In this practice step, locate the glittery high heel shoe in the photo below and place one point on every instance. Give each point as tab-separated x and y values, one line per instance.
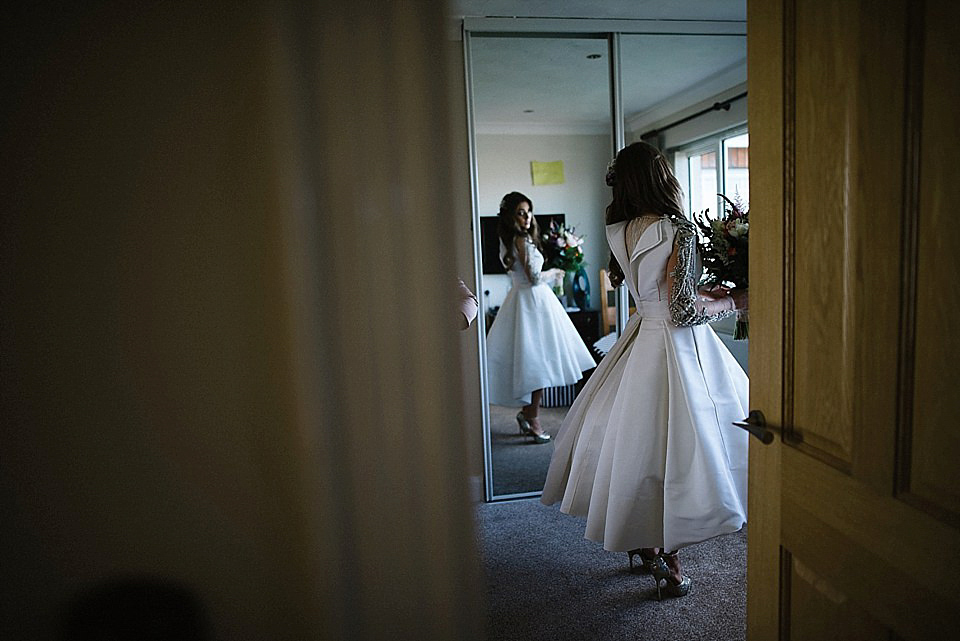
665	582
526	428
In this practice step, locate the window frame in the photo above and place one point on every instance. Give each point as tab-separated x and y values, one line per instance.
714	142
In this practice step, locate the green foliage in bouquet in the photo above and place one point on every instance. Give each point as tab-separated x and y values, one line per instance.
724	249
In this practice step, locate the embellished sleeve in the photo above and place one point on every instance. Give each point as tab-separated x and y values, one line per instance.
683	277
520	260
526	259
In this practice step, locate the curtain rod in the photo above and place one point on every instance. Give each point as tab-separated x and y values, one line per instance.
717	106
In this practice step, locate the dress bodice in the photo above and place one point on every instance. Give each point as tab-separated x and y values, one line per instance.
645	264
518	276
644	267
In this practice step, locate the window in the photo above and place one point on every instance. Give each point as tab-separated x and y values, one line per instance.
700	174
738	157
702	188
736	172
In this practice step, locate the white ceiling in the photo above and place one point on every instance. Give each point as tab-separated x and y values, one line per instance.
564	89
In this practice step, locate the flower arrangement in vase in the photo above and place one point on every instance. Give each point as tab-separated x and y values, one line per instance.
563	249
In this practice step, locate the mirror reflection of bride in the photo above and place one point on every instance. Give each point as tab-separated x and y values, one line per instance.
532	343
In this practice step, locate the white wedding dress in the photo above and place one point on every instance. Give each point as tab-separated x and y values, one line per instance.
647	452
532	343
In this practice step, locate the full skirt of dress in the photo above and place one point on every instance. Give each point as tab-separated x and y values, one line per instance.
533	344
647	452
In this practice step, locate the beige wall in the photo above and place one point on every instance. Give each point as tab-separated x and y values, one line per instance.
504	166
210	369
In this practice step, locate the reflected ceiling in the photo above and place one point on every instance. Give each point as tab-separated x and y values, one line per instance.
538	81
555	79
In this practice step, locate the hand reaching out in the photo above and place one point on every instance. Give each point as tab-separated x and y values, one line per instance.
719	292
554	275
714	292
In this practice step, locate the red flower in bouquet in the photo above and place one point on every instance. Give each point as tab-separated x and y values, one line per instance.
724	249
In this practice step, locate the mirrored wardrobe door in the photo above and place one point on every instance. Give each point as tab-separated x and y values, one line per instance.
691	105
540	110
542	127
670	83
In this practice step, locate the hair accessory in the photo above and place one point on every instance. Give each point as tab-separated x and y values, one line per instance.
611	173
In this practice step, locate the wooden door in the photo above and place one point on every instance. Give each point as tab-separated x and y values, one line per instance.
855	312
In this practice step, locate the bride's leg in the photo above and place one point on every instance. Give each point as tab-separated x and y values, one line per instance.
532	411
673	563
670	577
647	556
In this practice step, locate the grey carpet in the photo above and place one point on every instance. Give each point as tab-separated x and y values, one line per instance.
519	464
546	582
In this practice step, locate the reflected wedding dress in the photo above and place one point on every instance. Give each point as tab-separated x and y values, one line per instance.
647	452
532	343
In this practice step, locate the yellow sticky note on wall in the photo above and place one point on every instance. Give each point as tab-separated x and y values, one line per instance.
547	173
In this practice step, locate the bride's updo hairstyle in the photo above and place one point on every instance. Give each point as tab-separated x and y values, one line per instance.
508	229
643	183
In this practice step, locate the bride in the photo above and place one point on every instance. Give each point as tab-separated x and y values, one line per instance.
647	453
532	343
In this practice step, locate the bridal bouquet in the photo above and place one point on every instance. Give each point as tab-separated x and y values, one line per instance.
724	245
562	248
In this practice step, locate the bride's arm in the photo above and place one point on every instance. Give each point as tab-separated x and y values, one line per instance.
688	305
552	276
520	244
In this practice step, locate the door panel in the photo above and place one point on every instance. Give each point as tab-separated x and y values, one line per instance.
825	223
854	509
821	611
897	564
934	438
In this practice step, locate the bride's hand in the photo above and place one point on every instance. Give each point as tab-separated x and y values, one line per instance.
554	275
714	292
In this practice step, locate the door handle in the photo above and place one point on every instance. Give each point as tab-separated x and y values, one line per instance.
756	424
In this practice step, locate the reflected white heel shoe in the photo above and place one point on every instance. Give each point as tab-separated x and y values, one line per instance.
525	428
524	424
